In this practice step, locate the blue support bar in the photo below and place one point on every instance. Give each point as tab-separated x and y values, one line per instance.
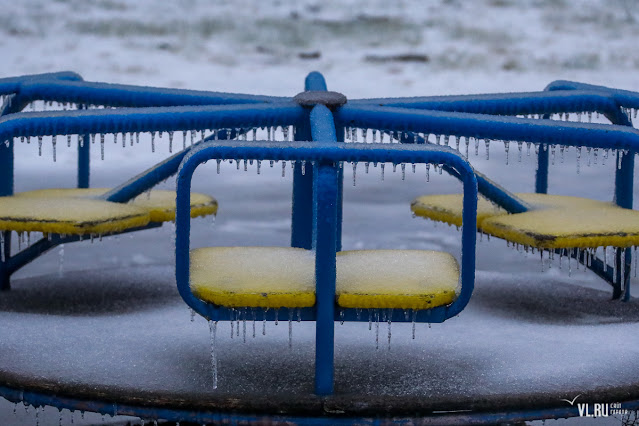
325	233
541	175
302	207
84	159
120	95
301	221
6	167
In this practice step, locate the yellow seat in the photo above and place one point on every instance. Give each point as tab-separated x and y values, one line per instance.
74	212
275	277
160	204
68	215
553	222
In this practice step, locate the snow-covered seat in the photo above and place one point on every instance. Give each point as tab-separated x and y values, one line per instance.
553	222
75	212
284	277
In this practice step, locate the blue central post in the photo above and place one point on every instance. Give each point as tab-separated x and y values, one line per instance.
325	212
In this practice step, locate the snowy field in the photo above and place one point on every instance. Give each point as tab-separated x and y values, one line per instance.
364	49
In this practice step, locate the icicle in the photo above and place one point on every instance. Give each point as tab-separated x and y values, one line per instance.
623	269
561	151
61	260
619	159
244	326
389	318
457	140
370	319
283	168
68	141
414	167
588	149
578	158
253	315
437	139
219	162
614	266
487	142
605	259
569	261
366	166
152	141
290	328
467	144
376	329
528	149
476	146
427	172
520	146
403	166
40	146
53	144
595	151
303	167
245	164
414	321
277	316
374	135
552	154
589	116
259	166
213	333
506	148
354	164
354	134
264	322
102	146
170	142
285	132
382	167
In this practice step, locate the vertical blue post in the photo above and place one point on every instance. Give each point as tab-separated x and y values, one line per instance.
624	187
324	236
302	215
83	159
541	177
6	189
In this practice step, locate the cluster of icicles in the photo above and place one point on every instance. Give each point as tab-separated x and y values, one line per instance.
240	317
463	144
566	257
68	416
188	138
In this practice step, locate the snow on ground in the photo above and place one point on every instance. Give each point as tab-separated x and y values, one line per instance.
364	49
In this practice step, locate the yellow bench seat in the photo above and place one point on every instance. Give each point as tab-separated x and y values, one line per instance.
75	212
275	277
553	222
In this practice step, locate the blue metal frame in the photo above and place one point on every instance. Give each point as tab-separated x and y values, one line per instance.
326	156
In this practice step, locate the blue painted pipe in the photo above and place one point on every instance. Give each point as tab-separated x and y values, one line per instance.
127	120
120	95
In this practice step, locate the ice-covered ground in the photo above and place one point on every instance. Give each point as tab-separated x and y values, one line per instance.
364	49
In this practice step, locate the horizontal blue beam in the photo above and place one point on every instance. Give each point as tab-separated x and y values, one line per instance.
11	85
120	95
130	120
491	127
